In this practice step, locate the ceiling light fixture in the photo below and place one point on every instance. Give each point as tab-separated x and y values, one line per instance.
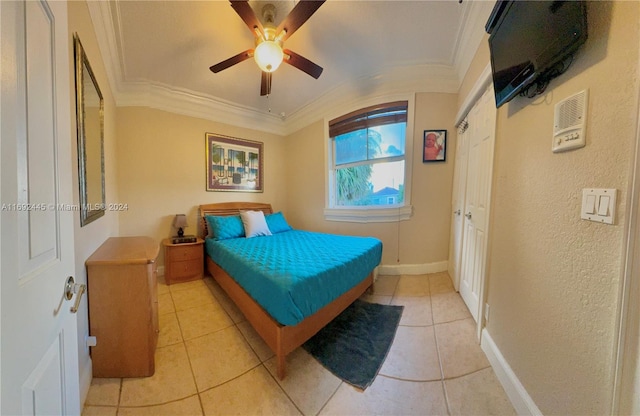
268	55
268	52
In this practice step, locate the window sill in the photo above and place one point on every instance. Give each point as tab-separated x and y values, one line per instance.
367	215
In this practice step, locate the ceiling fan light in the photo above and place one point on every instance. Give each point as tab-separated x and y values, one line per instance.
268	55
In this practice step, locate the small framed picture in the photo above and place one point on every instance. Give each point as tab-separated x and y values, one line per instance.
434	148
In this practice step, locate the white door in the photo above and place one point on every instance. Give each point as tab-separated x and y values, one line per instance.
459	191
482	119
39	347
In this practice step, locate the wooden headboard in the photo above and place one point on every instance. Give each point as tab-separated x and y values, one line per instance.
224	209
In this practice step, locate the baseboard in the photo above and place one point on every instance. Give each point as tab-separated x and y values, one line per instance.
86	375
396	270
520	399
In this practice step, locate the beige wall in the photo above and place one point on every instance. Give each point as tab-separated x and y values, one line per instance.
478	64
91	236
424	239
553	278
161	170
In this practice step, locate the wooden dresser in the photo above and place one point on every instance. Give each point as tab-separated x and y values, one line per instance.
183	262
123	306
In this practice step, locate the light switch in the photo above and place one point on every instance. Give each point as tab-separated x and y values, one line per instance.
598	205
591	204
603	206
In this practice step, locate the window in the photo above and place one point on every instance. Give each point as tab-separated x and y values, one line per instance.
368	157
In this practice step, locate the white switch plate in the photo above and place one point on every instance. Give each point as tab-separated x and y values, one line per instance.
599	205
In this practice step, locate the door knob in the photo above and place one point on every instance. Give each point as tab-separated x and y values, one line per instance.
72	287
468	215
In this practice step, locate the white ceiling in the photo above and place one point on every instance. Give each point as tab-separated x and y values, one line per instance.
158	53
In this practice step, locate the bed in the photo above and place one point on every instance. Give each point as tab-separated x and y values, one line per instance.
283	317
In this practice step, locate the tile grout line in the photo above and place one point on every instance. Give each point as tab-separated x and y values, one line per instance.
331	397
232	379
183	342
233	324
119	396
263	364
467	374
186	350
193	374
282	388
435	338
143	406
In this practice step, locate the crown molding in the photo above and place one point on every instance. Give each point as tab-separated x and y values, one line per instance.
106	21
444	78
472	33
188	103
395	80
103	19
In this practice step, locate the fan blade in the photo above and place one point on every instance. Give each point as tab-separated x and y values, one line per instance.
302	63
265	84
247	14
300	14
242	56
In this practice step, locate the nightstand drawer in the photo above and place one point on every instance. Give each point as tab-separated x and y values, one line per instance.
188	252
180	269
183	262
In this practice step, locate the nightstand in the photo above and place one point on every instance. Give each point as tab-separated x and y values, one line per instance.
183	262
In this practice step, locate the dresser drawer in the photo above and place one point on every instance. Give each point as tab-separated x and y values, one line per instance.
187	252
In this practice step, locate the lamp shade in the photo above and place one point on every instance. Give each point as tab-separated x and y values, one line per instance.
180	221
268	55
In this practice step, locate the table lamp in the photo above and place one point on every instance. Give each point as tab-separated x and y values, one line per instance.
180	222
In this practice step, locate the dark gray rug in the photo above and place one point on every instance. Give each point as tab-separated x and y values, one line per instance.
355	344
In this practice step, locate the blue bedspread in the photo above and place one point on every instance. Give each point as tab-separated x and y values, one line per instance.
295	273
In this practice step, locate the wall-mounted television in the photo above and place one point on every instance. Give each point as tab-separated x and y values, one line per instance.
531	42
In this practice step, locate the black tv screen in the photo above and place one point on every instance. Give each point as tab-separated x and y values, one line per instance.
528	38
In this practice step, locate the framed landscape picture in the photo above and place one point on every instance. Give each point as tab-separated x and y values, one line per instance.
234	164
434	147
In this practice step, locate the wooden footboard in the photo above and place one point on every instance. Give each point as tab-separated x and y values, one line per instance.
280	338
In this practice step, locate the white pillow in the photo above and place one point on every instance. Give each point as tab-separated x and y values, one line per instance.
254	223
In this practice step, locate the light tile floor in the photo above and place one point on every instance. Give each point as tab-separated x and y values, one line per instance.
209	361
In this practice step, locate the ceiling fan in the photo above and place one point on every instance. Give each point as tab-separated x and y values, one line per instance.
268	52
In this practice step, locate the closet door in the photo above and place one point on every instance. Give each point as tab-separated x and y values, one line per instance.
459	191
481	132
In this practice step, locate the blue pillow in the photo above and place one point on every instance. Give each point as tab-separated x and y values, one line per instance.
223	228
277	223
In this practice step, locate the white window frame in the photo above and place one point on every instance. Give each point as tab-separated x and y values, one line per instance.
370	214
